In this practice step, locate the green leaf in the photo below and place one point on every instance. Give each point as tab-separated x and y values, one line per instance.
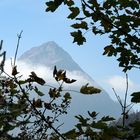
38	92
93	114
82	25
39	81
135	97
67	96
48	106
86	13
136	127
89	132
53	5
74	12
89	90
69	2
71	134
54	71
109	50
8	127
82	120
100	125
21	82
78	37
107	118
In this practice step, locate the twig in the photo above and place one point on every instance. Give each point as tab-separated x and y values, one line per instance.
63	89
1	43
37	112
125	99
118	98
19	37
59	126
3	54
6	73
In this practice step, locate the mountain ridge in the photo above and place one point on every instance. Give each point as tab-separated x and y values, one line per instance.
50	54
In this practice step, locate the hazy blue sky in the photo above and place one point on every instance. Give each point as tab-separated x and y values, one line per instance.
39	27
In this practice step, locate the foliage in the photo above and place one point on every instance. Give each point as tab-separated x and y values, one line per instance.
116	18
89	90
119	20
24	107
106	128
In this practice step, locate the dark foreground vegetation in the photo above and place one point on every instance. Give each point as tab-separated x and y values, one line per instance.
26	117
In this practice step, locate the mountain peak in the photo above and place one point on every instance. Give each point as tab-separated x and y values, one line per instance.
50	43
50	54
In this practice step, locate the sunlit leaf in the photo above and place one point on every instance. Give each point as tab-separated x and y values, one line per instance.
21	82
69	81
37	79
89	90
37	103
71	134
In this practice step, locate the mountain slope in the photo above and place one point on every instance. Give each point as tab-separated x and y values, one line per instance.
50	54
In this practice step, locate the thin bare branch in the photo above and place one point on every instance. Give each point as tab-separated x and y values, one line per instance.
118	98
39	113
19	37
125	99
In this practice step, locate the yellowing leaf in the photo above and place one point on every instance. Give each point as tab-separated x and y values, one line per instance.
37	79
89	90
37	103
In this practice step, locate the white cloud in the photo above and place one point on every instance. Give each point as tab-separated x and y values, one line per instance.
45	72
119	83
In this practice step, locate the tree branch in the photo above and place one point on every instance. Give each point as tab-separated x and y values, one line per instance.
37	112
125	99
99	14
19	37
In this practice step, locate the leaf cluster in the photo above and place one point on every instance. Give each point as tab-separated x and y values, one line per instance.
119	20
33	115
